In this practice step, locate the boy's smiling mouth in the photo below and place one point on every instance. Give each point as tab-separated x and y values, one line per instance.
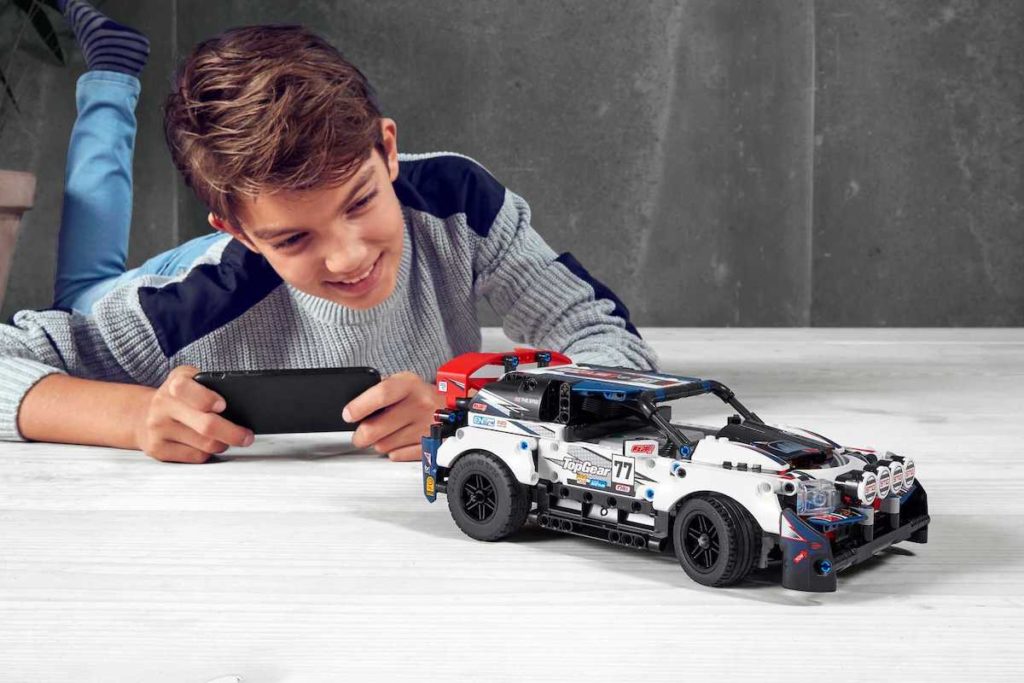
362	283
357	278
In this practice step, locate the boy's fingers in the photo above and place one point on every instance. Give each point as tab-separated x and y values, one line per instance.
212	425
184	435
415	408
170	451
374	429
409	435
387	392
182	386
406	454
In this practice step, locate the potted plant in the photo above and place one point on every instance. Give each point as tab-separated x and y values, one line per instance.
20	21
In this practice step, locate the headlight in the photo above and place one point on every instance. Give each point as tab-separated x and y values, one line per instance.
909	470
896	470
884	478
860	486
816	497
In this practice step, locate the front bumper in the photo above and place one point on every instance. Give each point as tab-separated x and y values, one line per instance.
428	460
810	561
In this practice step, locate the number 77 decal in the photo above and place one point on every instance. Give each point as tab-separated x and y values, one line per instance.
624	466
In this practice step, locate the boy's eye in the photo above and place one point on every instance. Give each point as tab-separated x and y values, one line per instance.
363	202
285	243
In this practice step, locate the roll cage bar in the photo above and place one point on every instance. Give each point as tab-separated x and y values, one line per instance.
646	402
455	380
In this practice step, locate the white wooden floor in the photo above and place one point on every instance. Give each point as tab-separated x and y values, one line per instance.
298	562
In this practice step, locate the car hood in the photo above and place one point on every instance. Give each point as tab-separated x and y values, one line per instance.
778	442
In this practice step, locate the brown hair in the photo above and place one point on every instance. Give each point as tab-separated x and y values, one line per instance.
260	109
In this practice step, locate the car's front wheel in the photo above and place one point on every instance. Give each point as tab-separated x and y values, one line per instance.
715	540
485	499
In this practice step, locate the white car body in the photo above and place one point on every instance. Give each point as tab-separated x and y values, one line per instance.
634	480
651	477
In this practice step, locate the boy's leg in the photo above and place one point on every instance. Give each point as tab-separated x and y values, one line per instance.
172	262
93	241
179	259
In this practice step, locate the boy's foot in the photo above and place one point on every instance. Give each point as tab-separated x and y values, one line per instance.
107	45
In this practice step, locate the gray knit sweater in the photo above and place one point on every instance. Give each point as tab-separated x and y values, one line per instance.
466	237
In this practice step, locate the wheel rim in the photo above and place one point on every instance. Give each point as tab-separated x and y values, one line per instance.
479	499
700	541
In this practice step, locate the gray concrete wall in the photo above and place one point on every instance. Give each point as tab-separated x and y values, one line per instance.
781	162
918	195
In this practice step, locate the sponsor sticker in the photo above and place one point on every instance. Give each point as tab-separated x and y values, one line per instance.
428	485
577	466
837	516
643	447
831	517
588	473
479	406
442	386
584	480
483	421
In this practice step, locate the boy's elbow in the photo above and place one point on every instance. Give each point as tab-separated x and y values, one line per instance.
629	352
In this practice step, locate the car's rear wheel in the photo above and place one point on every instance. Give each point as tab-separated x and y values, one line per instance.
715	540
485	499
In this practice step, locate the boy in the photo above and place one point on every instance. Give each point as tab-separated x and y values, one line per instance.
335	251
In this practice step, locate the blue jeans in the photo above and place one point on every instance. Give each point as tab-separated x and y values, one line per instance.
92	248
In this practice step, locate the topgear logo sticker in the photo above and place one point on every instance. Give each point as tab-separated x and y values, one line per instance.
588	473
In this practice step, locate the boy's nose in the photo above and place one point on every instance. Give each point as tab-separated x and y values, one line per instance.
347	263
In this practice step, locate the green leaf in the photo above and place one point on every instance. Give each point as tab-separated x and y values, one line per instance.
41	23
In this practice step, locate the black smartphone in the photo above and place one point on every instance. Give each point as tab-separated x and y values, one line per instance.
290	401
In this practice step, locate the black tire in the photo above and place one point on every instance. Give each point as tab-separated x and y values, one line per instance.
715	540
485	499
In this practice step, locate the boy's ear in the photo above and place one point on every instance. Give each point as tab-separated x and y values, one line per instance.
218	223
389	135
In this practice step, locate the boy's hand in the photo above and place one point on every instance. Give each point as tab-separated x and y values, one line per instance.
407	406
180	423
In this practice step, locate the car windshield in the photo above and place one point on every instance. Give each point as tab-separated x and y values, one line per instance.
635	425
607	403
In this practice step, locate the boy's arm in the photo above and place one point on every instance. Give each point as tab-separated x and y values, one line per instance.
63	409
551	301
101	403
38	344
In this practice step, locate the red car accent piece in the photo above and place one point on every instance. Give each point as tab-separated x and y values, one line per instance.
455	378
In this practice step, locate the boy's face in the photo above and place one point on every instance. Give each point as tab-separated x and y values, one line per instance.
339	243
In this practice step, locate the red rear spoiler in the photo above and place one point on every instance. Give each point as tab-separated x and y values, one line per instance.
455	380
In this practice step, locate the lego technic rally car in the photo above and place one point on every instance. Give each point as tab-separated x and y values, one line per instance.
588	450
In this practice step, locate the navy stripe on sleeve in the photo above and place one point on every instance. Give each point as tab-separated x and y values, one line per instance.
601	291
209	297
446	185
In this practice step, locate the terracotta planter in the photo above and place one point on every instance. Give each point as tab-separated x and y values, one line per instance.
17	190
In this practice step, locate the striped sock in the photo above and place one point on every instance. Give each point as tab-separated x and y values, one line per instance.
106	44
